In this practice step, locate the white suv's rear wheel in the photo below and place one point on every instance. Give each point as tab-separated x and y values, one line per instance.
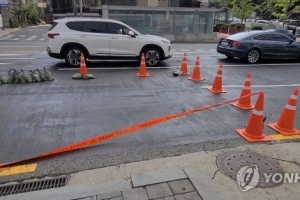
152	56
72	56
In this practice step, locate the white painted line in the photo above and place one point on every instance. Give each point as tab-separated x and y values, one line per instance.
5	63
256	86
258	65
183	50
16	38
9	36
172	67
32	37
20	46
17	58
13	54
42	39
200	55
21	36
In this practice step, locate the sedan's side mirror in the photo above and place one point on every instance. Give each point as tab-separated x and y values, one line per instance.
131	33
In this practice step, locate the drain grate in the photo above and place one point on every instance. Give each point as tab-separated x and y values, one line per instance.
229	163
32	186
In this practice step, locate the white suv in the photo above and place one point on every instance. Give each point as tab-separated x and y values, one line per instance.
103	39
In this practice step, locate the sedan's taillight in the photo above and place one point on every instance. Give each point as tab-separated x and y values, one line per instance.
52	35
235	44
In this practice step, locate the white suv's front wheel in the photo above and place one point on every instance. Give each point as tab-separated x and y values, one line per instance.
152	56
72	56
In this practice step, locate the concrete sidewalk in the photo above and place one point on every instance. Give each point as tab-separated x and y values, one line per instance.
195	176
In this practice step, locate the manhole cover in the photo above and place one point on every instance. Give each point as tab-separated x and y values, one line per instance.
229	163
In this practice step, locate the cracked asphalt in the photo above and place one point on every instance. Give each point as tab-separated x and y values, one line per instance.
40	117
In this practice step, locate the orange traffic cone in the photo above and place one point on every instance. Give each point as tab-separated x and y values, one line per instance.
143	70
184	66
285	124
82	70
253	131
216	88
221	66
196	76
245	102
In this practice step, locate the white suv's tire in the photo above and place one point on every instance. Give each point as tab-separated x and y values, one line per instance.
72	56
152	56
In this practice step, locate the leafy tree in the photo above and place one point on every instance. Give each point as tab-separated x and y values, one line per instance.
31	12
243	9
27	13
279	8
284	8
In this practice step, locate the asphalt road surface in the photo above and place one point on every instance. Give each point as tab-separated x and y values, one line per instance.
25	41
39	117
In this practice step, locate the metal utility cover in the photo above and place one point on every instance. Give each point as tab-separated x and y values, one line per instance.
229	163
33	186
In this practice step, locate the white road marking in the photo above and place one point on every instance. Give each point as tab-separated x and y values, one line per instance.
256	86
21	36
5	63
13	54
183	50
19	46
16	38
42	39
32	37
17	58
9	36
174	67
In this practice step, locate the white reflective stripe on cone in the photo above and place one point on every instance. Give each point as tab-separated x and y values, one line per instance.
248	79
294	97
290	107
143	63
256	112
184	62
219	75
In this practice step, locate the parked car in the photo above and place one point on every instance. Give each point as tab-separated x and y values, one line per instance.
255	45
99	39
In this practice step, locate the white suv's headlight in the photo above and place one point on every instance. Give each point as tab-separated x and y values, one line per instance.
166	41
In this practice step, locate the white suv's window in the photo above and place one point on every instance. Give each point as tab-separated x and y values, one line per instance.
75	26
118	29
95	27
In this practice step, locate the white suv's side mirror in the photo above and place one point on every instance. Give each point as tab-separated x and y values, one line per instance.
131	33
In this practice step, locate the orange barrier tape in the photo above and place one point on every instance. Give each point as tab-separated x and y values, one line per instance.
124	131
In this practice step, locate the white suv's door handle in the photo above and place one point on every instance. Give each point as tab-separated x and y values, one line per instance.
114	38
82	36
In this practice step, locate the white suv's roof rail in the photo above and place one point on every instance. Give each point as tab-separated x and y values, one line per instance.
70	19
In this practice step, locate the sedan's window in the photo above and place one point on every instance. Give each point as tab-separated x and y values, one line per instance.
118	29
279	38
95	27
261	37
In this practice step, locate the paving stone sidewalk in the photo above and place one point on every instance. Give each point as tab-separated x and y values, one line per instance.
169	184
194	176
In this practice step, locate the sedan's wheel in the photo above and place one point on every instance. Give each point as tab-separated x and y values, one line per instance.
253	56
72	56
152	57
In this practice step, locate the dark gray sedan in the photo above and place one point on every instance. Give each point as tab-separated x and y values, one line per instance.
255	45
